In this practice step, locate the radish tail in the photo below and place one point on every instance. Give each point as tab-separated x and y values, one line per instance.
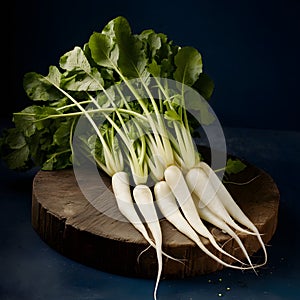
143	198
230	205
207	215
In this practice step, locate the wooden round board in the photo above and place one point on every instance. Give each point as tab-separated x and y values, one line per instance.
69	223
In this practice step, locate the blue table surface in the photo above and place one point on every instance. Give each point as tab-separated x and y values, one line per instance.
30	269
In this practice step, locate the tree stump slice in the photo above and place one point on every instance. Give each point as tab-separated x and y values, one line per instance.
70	224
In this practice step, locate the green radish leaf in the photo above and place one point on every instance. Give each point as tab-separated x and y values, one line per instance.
152	40
84	81
193	101
154	69
41	88
206	117
14	149
204	85
189	65
30	119
61	136
132	57
15	139
18	159
38	88
83	77
75	60
162	58
234	166
57	161
101	47
54	76
167	68
172	115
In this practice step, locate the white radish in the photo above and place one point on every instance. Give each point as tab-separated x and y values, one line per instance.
229	203
177	184
121	189
144	200
169	208
199	183
175	180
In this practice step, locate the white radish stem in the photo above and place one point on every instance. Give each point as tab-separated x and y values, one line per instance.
175	180
143	198
199	183
121	189
230	205
169	208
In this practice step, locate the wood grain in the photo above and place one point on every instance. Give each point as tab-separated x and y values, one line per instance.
70	224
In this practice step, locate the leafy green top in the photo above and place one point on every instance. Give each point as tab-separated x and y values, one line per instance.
42	135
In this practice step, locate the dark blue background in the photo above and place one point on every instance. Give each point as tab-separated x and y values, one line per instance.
249	48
